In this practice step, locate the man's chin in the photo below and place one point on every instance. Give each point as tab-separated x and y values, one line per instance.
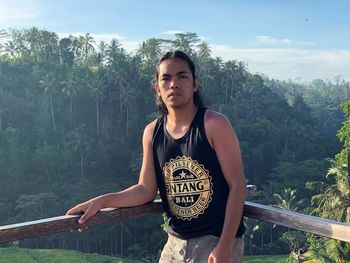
176	105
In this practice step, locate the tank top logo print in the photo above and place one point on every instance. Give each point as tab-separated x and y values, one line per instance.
188	187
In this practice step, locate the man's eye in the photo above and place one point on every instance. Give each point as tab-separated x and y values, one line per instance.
183	77
164	78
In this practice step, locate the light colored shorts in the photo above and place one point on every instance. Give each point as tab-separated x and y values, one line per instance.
196	250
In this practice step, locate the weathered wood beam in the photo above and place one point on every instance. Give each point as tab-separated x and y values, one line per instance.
59	224
306	223
312	224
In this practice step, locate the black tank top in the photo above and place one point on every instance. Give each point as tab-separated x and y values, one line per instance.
190	181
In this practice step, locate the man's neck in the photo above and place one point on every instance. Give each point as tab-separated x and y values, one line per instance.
180	116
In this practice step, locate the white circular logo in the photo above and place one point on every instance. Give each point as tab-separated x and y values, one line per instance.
188	187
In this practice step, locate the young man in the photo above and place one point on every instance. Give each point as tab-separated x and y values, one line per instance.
192	156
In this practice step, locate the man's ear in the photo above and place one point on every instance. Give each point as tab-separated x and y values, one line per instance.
156	88
197	84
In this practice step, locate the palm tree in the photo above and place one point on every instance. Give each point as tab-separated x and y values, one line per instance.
49	85
69	88
3	33
66	51
87	42
230	71
19	43
252	227
101	54
204	51
150	49
77	46
113	50
205	62
33	37
186	42
77	139
117	62
96	89
49	50
287	200
11	48
344	135
332	202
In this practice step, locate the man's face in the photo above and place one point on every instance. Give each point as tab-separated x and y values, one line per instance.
175	84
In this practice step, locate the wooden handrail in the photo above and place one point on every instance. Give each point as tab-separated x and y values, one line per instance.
315	225
65	223
312	224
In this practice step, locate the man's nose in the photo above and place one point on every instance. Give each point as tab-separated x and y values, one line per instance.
174	83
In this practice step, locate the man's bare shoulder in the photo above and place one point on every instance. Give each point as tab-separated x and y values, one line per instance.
217	126
214	118
149	130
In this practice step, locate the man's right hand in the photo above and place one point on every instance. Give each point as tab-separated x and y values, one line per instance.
88	209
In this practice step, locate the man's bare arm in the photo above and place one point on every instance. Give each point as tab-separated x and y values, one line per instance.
143	192
225	143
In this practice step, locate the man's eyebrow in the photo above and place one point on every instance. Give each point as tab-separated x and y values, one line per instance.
183	72
165	75
178	73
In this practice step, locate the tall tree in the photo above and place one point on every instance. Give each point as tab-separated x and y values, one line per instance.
77	139
150	49
287	200
344	135
66	51
49	85
96	88
186	42
87	42
11	48
33	37
332	199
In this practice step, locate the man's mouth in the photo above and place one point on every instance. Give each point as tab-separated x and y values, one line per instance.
174	95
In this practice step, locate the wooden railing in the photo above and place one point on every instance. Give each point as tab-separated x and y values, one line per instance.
306	223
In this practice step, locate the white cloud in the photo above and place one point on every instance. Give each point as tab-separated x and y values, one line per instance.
172	32
267	40
290	63
130	46
107	37
306	43
18	12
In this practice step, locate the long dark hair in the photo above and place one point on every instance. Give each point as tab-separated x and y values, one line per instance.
197	99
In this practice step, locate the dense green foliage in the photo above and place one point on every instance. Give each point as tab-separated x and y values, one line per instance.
72	113
265	259
331	199
16	255
19	255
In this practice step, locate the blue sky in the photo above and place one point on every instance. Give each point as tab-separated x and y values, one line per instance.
284	39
